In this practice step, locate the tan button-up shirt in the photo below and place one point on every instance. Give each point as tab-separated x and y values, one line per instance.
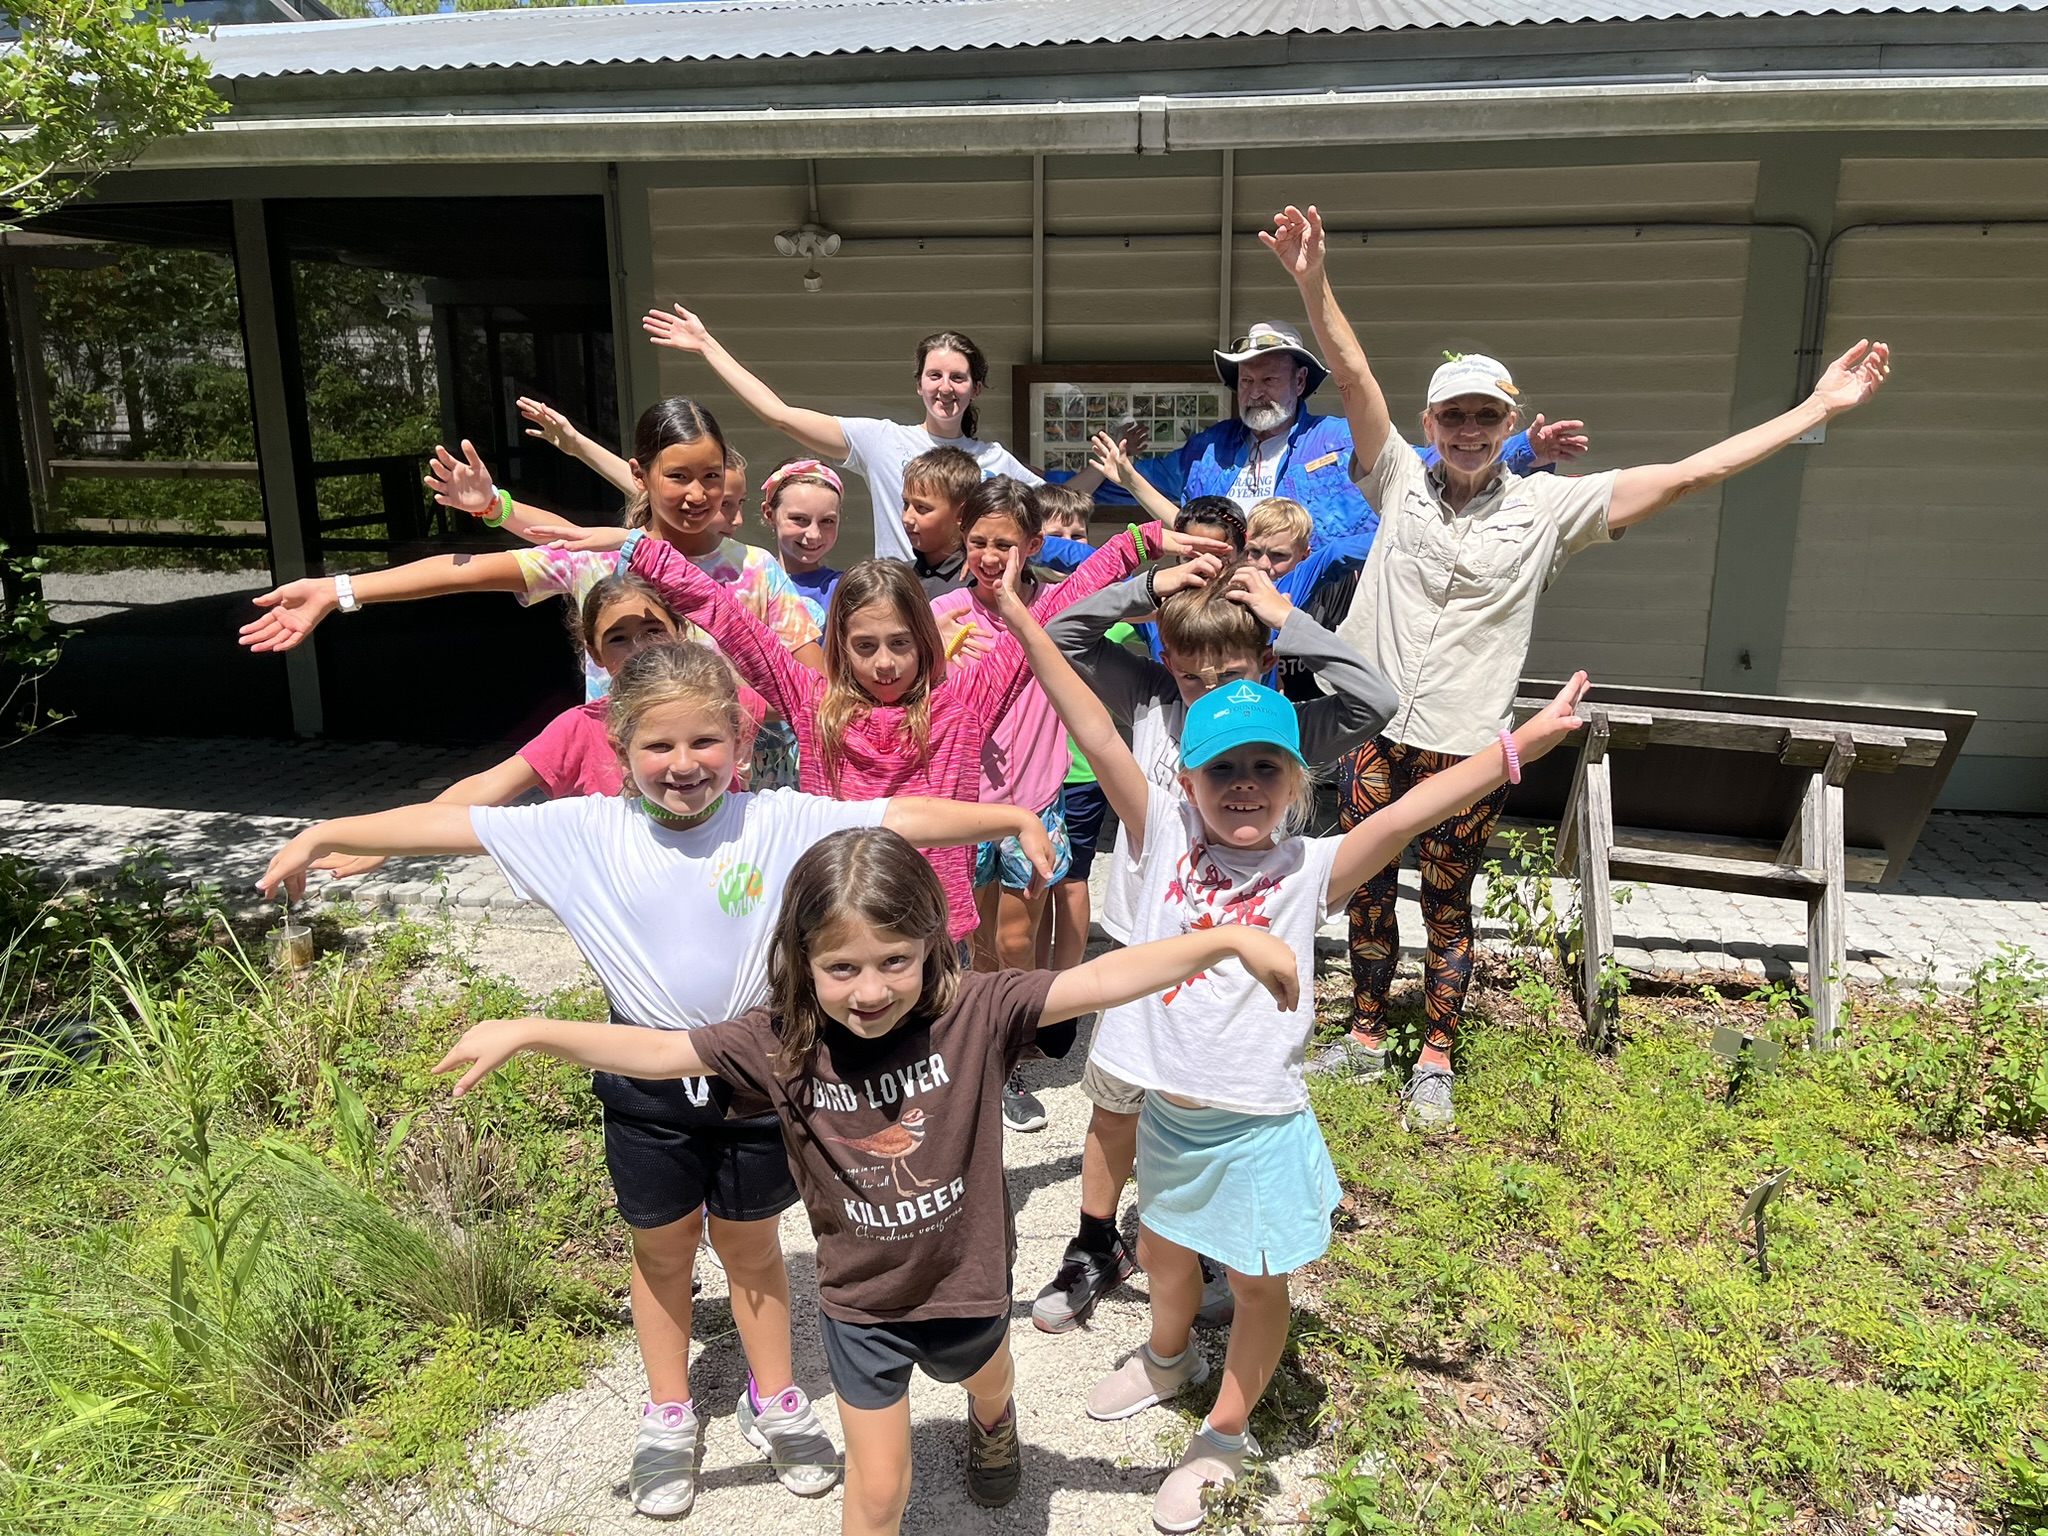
1447	600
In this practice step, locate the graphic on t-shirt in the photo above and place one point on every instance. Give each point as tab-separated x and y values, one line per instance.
894	1144
739	887
1194	891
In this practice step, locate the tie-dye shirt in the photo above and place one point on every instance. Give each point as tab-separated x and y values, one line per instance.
750	575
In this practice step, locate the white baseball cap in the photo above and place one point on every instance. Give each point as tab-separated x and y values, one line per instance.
1473	374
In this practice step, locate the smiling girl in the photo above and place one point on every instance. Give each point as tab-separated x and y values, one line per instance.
800	500
885	1065
950	375
670	892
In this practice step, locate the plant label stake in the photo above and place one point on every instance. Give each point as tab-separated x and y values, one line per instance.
1746	1055
1753	1206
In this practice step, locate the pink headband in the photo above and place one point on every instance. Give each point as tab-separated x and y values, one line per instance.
792	470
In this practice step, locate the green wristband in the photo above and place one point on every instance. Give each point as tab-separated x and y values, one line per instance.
504	504
1138	538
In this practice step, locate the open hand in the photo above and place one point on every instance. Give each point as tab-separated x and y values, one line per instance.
484	1047
347	866
1171	543
1854	377
1254	589
1134	437
1270	961
1556	442
1109	459
574	536
464	483
293	611
1009	592
549	424
681	330
1555	721
1297	240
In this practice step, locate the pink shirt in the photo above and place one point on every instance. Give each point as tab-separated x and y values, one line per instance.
1024	758
574	754
878	757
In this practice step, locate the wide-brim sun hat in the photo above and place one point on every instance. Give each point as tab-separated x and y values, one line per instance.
1263	337
1473	374
1239	715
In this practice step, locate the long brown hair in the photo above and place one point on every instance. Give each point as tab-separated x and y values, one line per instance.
977	367
665	424
895	585
864	874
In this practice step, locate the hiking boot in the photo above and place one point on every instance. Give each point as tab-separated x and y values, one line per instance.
1219	1305
1084	1278
787	1432
995	1462
1141	1383
1349	1057
1426	1101
663	1479
1204	1464
1021	1109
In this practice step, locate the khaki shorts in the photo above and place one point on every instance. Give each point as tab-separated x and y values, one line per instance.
1107	1091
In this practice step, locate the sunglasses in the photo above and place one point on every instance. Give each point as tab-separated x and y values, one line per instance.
1263	341
1454	419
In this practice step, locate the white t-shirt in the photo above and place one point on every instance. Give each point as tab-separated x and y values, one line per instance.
1261	472
877	451
676	924
1155	742
1219	1038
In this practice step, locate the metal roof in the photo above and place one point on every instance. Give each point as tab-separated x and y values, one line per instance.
773	29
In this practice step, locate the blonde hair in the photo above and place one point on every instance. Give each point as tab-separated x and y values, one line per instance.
867	583
1300	814
1283	516
1204	624
674	672
868	875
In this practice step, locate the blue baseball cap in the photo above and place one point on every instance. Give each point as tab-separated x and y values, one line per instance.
1236	715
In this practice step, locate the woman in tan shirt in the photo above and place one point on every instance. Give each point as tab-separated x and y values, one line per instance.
1445	607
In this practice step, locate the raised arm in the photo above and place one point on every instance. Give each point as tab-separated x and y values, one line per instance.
1378	840
437	827
1107	460
1125	975
684	332
558	431
1649	488
498	785
1297	240
790	687
652	1055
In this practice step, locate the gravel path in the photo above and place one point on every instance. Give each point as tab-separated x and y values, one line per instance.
75	596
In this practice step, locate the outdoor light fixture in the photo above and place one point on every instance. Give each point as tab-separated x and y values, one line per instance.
812	241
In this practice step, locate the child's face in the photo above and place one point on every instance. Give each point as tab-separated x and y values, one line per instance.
931	522
881	652
867	978
989	543
732	506
806	525
1276	555
1067	525
1196	675
685	490
1243	794
627	627
681	757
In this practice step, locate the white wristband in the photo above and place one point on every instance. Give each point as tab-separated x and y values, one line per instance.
345	593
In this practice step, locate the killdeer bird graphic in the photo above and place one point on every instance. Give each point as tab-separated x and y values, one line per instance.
892	1144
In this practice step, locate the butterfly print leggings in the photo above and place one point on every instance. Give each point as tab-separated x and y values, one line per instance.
1370	779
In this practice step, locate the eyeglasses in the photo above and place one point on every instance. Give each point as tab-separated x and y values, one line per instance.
1454	419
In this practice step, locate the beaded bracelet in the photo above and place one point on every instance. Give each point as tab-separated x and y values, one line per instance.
503	502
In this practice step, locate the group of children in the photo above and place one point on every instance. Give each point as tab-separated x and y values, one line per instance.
824	837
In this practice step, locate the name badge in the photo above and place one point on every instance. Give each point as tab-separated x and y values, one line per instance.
1323	463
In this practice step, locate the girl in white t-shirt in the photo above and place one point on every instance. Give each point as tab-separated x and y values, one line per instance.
951	373
1230	1161
670	890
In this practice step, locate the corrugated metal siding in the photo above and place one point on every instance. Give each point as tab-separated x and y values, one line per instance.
1921	573
807	28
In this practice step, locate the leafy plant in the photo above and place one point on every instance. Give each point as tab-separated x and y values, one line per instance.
30	644
2023	1508
1350	1504
1983	1065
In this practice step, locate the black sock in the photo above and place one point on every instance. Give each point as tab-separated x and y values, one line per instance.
1098	1233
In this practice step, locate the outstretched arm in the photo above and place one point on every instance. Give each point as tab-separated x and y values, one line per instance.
436	827
1297	240
1648	489
929	822
1107	460
294	610
1378	840
653	1055
558	431
756	651
684	332
1125	975
499	785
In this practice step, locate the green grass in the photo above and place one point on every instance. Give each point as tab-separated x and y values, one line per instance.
1551	1322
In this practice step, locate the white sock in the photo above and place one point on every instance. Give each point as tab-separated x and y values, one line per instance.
1234	1442
1166	1362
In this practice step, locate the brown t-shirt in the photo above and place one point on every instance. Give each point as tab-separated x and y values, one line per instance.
897	1147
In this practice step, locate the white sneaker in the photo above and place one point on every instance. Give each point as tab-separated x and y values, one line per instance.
788	1433
663	1480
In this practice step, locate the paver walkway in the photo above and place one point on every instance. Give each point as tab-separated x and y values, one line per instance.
218	809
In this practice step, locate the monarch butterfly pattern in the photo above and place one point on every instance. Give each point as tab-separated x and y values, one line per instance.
1370	779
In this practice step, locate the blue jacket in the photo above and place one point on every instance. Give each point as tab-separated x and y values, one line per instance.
1315	470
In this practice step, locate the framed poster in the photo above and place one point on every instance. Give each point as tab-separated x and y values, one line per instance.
1058	409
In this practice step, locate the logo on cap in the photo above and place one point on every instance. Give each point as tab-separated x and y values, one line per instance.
1243	693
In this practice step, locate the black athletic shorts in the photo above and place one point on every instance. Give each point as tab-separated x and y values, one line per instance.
670	1149
1085	805
871	1362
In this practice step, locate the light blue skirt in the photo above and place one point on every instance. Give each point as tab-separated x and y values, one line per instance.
1254	1192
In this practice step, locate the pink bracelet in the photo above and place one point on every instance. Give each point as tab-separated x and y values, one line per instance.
1507	746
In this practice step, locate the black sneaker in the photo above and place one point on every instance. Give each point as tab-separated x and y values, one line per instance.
1085	1277
995	1462
1021	1109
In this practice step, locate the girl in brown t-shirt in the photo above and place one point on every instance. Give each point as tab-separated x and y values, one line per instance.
886	1066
